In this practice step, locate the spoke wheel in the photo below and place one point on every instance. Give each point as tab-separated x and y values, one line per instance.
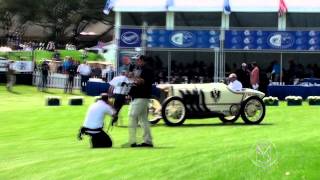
174	111
235	110
253	110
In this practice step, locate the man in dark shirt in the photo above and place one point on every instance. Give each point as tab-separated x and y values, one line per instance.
140	93
44	75
243	75
11	77
71	73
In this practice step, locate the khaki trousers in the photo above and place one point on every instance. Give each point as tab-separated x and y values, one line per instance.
138	112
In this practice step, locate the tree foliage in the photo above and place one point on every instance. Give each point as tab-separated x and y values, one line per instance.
58	15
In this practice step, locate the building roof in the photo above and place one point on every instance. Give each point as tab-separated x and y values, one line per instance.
299	6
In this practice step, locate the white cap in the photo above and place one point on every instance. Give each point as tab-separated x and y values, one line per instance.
232	75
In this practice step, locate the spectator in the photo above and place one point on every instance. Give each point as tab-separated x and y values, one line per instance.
51	46
84	70
119	87
71	72
96	71
254	76
66	63
56	55
243	75
275	73
44	76
11	77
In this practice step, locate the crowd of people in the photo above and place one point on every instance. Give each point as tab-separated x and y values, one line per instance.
72	68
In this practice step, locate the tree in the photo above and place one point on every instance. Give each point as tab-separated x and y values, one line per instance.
61	16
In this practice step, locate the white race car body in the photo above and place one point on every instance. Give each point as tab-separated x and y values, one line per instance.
210	97
184	101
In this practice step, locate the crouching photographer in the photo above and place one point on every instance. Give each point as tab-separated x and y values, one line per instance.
94	122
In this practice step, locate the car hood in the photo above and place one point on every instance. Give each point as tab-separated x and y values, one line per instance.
251	92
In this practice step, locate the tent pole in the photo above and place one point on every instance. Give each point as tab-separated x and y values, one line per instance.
169	66
281	63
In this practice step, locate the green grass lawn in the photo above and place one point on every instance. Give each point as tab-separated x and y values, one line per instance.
39	142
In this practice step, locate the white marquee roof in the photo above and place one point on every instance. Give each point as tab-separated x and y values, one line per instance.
254	5
140	5
196	6
301	6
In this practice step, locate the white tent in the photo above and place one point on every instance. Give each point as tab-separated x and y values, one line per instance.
198	6
305	6
140	5
254	5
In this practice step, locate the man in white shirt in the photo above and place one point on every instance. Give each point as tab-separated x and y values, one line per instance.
84	70
234	84
94	122
120	87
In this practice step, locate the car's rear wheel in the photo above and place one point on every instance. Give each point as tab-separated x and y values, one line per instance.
234	114
228	119
173	111
154	111
253	110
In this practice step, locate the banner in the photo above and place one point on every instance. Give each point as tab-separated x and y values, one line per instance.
161	38
272	40
130	38
18	66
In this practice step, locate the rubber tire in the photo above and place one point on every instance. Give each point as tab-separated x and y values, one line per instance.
163	111
154	121
226	121
243	116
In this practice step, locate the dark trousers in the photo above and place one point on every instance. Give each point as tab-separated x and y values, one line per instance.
69	84
119	100
100	140
84	80
44	81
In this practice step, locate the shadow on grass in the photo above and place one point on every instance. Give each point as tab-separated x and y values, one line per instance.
139	148
48	92
14	92
215	125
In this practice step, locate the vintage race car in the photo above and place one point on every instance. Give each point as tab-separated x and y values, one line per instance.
184	101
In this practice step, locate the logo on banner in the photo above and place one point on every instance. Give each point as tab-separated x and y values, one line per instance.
182	39
281	40
130	37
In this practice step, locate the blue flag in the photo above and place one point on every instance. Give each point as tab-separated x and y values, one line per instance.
226	7
109	5
169	3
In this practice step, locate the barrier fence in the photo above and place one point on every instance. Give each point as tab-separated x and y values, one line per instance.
55	80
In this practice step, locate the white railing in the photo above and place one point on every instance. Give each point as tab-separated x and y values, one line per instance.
55	80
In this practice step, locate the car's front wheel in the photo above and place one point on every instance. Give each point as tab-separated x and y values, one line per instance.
253	110
173	111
